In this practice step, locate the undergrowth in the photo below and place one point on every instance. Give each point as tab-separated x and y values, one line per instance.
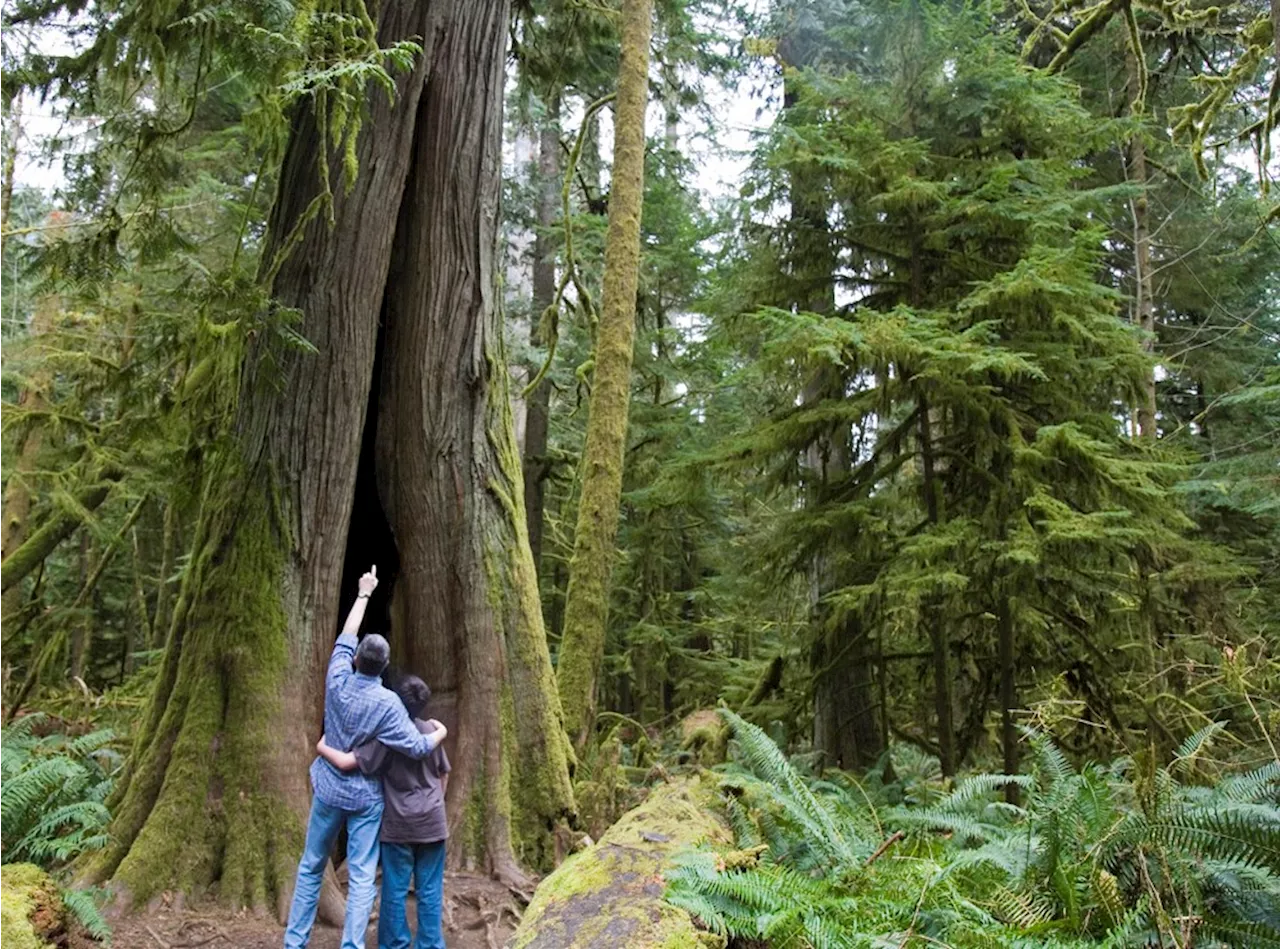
1117	855
53	790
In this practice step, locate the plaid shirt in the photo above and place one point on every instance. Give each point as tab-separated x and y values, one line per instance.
357	708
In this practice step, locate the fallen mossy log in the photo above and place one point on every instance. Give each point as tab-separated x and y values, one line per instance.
32	915
611	894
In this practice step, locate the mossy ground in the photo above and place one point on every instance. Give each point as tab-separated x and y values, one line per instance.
31	912
612	893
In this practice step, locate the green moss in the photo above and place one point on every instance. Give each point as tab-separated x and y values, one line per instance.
537	793
31	912
200	806
612	893
587	598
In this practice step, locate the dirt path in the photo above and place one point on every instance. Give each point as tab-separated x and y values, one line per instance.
479	914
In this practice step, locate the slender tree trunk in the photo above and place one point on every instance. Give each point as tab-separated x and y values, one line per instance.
587	600
17	494
449	472
941	647
81	630
169	539
216	786
1008	692
1143	287
12	138
538	412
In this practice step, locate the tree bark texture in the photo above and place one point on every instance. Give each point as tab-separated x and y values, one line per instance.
449	471
538	412
216	786
587	599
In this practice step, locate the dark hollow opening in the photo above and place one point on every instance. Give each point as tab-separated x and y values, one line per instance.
369	537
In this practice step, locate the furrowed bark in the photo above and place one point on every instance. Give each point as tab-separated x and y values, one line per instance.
449	472
587	599
216	786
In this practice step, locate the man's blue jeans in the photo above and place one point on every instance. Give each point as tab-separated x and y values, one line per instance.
425	863
362	869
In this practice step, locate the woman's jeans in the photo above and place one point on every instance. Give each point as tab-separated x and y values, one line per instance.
424	863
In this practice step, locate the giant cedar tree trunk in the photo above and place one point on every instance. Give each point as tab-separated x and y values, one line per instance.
587	599
216	786
449	471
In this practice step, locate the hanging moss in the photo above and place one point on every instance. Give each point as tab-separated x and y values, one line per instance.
612	893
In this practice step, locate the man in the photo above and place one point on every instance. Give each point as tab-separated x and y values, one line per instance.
357	709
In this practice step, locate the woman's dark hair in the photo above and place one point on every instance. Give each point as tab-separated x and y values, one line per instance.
413	692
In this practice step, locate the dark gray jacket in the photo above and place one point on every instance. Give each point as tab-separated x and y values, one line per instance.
412	791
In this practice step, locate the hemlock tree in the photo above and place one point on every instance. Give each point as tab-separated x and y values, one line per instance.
215	789
587	599
992	502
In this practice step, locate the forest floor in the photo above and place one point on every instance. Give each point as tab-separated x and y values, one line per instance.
479	913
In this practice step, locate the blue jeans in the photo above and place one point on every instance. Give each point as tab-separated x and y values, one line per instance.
362	869
425	863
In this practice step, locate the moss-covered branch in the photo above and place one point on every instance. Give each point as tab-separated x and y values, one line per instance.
61	525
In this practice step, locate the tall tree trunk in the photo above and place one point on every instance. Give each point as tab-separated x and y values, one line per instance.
13	136
216	785
17	493
1008	691
538	412
169	540
587	600
81	630
847	713
1143	286
449	471
938	640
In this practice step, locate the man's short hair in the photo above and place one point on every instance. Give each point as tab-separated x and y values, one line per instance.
372	655
414	693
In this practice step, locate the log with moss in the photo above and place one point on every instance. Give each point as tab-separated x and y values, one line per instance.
32	915
611	894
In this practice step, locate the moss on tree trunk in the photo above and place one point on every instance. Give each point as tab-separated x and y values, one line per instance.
587	598
215	791
216	788
449	473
